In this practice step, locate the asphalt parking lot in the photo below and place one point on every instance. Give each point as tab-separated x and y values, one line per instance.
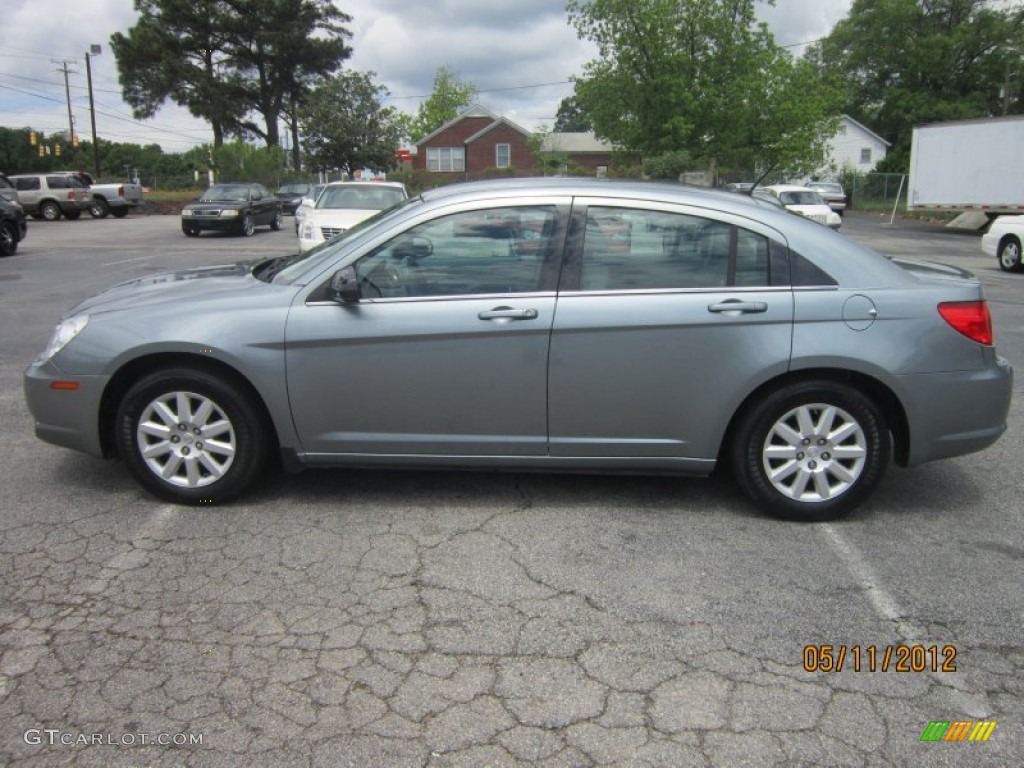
372	618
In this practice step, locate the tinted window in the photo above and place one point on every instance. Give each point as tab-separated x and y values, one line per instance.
58	182
31	182
627	249
4	183
500	250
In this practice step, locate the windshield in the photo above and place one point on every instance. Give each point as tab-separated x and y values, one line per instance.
290	269
801	197
226	193
360	197
826	187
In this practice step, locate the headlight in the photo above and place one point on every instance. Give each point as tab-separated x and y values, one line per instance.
308	231
228	213
65	331
187	213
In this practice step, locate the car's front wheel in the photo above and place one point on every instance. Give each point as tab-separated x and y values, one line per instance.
1009	255
190	436
248	225
49	211
811	451
190	230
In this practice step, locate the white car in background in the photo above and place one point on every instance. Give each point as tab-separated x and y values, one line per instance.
1003	240
342	205
802	200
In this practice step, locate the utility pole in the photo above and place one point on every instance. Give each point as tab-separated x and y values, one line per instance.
67	92
94	50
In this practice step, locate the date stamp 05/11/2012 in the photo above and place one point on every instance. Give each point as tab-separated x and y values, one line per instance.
880	658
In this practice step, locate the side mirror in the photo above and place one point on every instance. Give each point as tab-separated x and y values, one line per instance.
345	286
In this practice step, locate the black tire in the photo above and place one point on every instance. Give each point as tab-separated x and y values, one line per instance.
74	215
119	213
247	226
1009	255
189	230
50	211
218	412
277	222
99	208
8	238
828	442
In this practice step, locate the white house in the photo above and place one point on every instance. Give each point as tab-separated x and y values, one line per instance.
856	147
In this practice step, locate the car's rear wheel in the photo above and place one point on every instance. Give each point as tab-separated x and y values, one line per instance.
191	437
119	213
99	208
811	451
49	211
248	225
8	239
1009	255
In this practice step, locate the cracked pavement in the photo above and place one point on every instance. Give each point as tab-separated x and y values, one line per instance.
371	618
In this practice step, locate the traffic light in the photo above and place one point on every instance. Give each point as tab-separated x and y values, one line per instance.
42	151
74	140
56	149
32	138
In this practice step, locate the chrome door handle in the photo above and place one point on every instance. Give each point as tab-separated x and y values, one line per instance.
507	313
738	307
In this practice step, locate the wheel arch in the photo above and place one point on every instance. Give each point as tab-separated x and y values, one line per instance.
877	391
135	369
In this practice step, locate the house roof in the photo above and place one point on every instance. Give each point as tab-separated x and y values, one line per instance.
866	130
495	124
575	142
473	110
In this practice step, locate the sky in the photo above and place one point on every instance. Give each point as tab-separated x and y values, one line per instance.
520	55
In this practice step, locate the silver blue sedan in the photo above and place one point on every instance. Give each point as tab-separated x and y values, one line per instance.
539	324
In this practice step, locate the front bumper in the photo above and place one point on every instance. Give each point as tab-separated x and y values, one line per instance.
213	223
65	417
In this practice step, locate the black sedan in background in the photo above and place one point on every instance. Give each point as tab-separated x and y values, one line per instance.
291	195
12	226
236	207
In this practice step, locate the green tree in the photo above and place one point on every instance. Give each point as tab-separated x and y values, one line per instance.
955	59
450	96
294	42
571	117
223	59
180	50
240	161
347	126
701	77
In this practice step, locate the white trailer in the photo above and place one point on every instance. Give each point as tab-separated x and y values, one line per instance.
968	165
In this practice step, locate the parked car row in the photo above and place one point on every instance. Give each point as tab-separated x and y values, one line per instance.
67	194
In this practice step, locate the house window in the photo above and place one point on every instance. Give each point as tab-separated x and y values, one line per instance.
602	171
503	155
446	159
865	156
842	129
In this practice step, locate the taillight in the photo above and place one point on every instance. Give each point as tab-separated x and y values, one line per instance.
971	318
120	191
71	194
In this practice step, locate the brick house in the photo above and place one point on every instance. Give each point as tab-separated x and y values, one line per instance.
474	142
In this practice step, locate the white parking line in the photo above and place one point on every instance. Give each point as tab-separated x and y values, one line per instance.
972	704
126	261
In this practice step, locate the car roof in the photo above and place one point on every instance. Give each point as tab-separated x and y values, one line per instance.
787	188
392	184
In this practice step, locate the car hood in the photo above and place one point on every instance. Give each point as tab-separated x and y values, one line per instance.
185	286
341	218
214	205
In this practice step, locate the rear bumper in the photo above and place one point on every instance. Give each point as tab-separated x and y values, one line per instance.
957	413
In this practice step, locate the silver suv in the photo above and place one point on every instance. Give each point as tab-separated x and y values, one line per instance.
52	195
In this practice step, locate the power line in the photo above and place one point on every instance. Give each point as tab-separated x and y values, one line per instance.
51	82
